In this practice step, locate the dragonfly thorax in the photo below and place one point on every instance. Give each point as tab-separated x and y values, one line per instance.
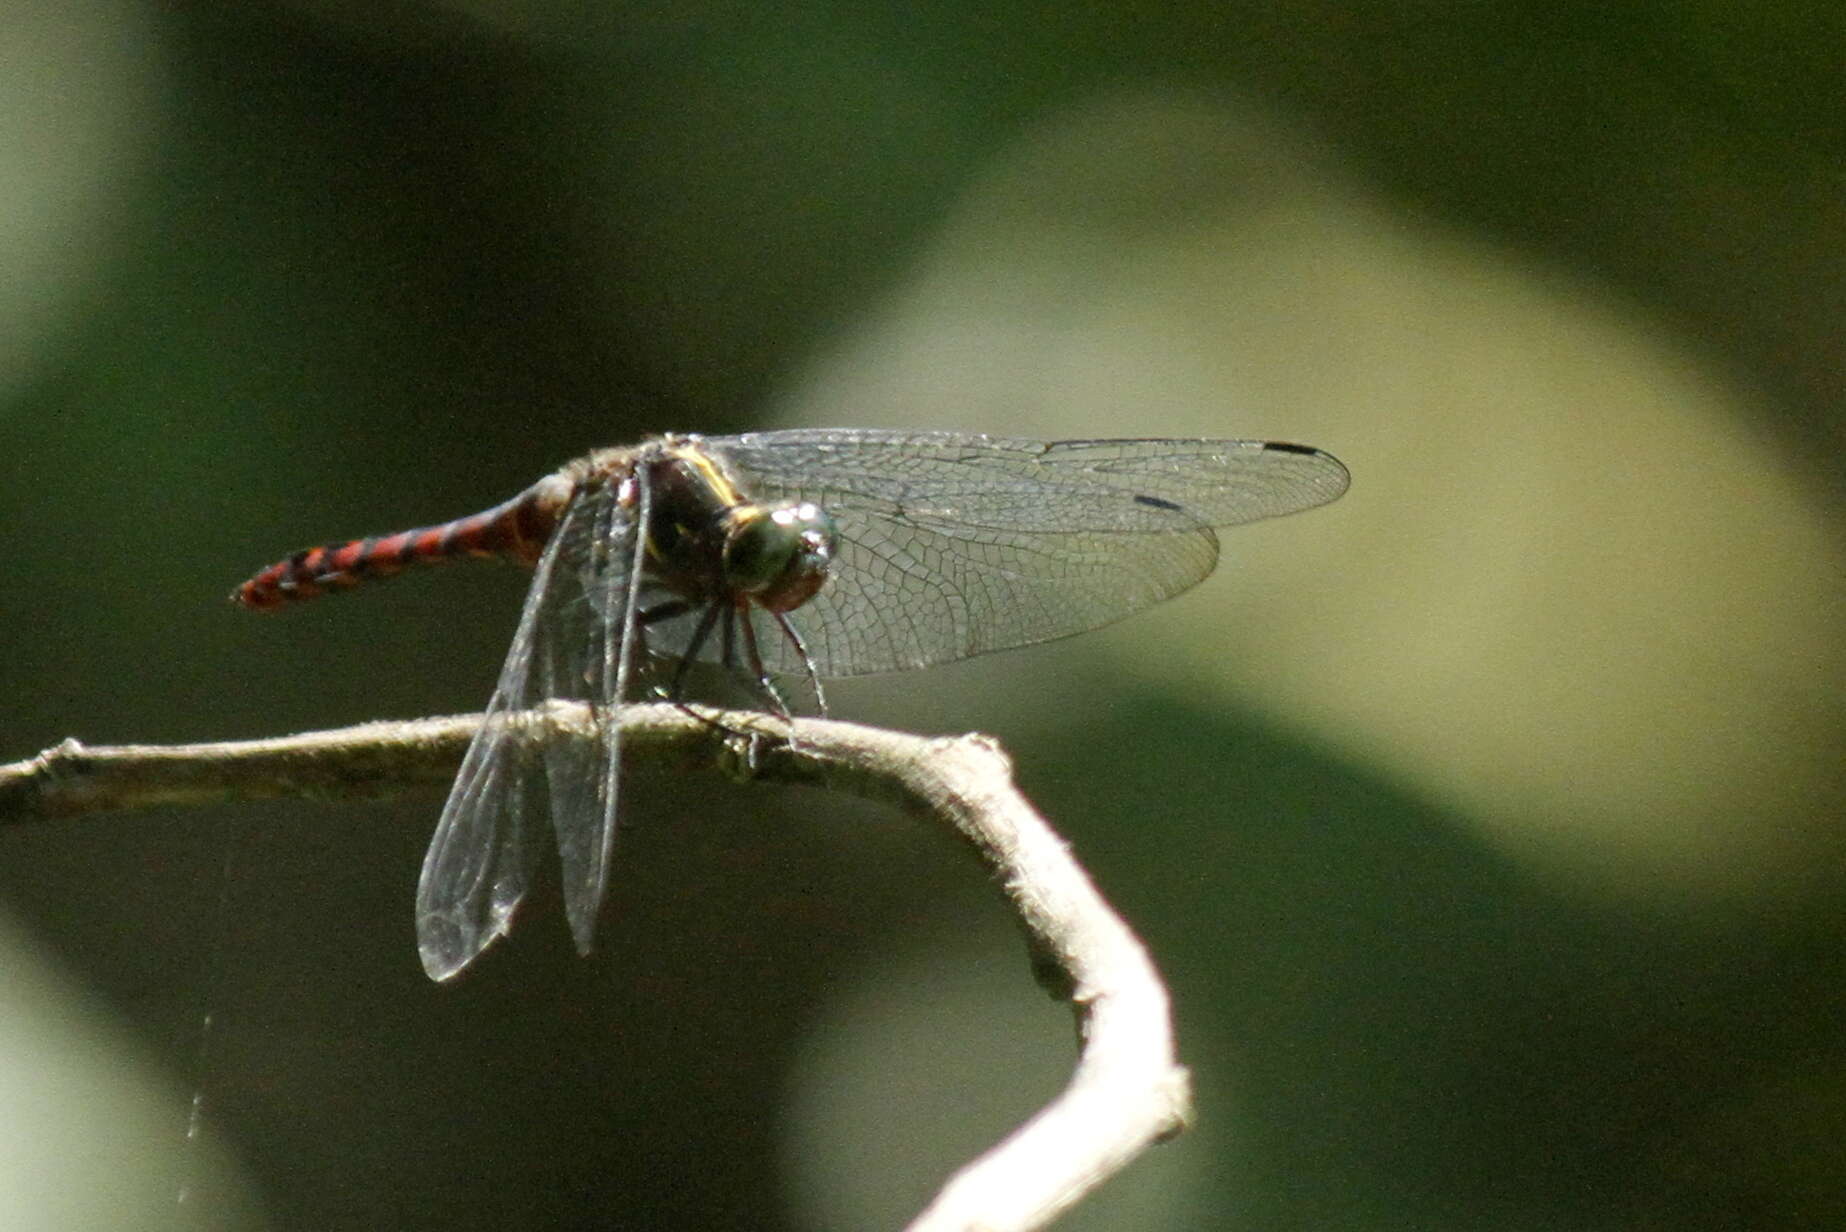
778	555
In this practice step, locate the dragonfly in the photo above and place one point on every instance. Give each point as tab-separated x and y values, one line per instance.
788	555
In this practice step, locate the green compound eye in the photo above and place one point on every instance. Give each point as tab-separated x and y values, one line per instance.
758	550
779	555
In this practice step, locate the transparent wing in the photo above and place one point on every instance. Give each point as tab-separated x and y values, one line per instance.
955	544
593	635
481	857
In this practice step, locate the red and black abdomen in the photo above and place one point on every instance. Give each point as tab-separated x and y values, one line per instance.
515	530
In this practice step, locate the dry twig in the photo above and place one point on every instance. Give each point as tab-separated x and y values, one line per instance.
1127	1090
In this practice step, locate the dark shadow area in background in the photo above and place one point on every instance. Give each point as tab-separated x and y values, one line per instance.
1414	1029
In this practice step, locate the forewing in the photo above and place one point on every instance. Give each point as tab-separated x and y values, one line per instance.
594	640
480	859
954	544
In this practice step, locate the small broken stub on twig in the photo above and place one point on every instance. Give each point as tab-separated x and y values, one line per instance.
740	754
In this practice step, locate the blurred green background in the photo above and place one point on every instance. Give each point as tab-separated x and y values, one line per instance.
1488	825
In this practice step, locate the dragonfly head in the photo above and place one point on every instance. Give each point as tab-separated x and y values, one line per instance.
778	555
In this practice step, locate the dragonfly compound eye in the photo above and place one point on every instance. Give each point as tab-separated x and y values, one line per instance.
779	555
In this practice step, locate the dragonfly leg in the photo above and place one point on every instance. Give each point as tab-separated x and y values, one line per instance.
714	614
724	617
662	611
653	616
728	641
700	633
766	688
807	661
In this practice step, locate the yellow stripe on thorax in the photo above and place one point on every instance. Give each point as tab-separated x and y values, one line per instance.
707	468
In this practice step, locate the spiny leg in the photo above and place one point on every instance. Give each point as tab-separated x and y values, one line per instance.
675	691
728	658
662	611
723	615
807	661
653	616
766	687
696	643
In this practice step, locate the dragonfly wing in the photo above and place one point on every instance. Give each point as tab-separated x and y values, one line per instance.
480	860
955	544
592	640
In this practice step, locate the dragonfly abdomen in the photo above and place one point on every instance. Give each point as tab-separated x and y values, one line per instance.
515	530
